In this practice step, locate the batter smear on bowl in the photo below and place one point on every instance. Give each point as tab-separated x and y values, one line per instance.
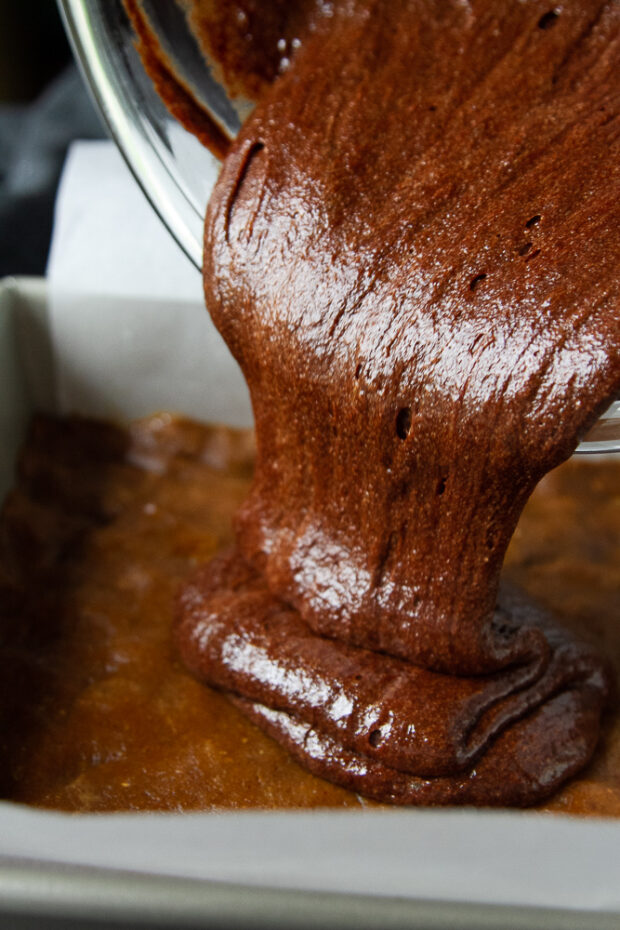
412	253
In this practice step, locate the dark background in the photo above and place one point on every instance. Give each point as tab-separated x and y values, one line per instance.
43	107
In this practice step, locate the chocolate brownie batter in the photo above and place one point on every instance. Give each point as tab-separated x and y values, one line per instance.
411	251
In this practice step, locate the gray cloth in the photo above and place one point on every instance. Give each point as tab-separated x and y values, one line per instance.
33	144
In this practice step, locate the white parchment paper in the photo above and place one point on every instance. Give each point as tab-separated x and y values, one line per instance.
473	856
130	332
130	335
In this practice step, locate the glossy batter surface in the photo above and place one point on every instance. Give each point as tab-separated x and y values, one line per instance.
412	252
96	711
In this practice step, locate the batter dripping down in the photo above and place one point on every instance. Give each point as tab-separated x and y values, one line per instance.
411	251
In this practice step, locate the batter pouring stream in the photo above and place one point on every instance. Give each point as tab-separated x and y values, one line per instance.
412	253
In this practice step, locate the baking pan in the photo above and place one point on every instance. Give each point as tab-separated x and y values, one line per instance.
374	869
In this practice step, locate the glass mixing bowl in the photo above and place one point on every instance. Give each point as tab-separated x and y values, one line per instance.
175	171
